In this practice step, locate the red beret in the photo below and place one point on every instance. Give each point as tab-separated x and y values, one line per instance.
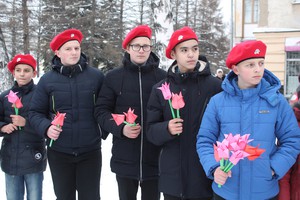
65	36
181	35
21	59
139	31
246	50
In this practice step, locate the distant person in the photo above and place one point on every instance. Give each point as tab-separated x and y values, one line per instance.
289	185
249	104
220	74
23	152
134	160
181	174
71	87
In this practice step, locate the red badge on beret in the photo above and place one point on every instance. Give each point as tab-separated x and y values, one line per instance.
181	35
65	36
21	59
139	31
244	51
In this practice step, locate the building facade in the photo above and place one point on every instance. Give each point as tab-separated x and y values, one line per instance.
276	23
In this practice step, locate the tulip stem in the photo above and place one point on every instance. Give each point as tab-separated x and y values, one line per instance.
170	103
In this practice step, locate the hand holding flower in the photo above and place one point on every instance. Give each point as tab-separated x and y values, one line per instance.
53	132
230	151
18	120
55	129
220	177
131	131
175	126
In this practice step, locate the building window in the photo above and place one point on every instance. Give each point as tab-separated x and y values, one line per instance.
251	11
296	1
292	71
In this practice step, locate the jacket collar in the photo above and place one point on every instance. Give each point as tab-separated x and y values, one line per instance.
69	70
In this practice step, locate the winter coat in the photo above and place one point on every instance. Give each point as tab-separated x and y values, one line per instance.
23	151
263	113
181	173
129	87
71	90
289	185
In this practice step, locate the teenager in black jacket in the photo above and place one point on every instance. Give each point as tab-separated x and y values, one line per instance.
23	150
134	159
181	174
71	87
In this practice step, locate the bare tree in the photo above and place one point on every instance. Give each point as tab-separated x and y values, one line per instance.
25	27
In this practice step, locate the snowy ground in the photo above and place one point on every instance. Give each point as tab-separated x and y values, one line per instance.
109	190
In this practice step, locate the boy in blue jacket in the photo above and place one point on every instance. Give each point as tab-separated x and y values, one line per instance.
249	104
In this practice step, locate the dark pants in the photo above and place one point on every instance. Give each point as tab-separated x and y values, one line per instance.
169	197
128	189
71	173
217	197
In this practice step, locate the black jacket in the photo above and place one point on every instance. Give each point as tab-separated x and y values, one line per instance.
181	173
23	151
71	90
124	87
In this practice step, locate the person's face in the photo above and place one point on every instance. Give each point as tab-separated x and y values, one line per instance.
23	74
249	72
69	53
220	74
139	49
186	54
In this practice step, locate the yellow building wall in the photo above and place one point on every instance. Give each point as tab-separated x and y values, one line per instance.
275	55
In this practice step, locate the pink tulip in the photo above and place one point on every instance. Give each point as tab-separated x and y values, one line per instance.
12	97
165	89
18	104
177	101
130	116
119	119
237	156
222	150
59	119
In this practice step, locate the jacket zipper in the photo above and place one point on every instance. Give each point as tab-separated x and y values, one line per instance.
142	120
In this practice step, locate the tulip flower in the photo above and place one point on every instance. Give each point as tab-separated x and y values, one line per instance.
128	118
177	102
165	89
119	119
16	102
254	152
58	121
237	148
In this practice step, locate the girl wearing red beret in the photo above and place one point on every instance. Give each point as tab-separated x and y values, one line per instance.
23	152
181	174
249	104
71	88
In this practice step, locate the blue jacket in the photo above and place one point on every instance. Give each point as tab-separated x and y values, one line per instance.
71	90
263	113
